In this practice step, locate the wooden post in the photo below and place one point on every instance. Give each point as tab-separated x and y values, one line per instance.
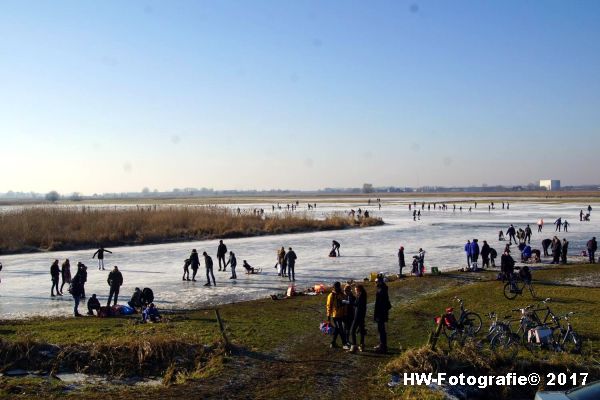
222	329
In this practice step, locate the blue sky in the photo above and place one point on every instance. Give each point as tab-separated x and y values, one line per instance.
114	96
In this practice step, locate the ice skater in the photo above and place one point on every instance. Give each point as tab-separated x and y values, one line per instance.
511	234
290	259
100	253
115	280
558	224
566	226
208	264
186	269
221	251
233	262
335	247
54	275
401	261
194	264
540	224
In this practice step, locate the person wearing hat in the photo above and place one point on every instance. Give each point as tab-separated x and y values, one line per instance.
381	313
194	263
401	262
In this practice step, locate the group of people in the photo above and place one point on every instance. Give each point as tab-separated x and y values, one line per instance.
473	251
286	262
346	312
418	263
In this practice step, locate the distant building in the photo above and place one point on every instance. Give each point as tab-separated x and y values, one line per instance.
550	184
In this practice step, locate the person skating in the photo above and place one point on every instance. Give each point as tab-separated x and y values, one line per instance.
335	247
93	304
186	269
421	260
564	251
208	264
511	234
558	224
358	323
401	261
485	255
115	280
566	226
580	215
468	252
545	245
528	234
65	273
589	209
233	262
381	313
592	246
194	263
55	276
100	253
221	252
335	314
290	260
540	224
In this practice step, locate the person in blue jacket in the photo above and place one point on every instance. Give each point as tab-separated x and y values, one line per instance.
526	253
474	253
468	251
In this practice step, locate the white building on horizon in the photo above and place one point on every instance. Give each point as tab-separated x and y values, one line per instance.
550	184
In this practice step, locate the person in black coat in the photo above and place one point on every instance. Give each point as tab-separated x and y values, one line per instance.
592	246
358	323
556	250
93	304
115	280
194	263
564	251
208	264
401	261
55	276
381	314
545	245
221	252
77	291
290	259
485	255
507	265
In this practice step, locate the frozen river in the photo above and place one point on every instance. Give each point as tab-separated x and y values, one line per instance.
25	286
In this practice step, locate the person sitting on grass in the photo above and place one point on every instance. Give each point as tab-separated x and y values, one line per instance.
93	304
250	269
151	314
526	253
136	299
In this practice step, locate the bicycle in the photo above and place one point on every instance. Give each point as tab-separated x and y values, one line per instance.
515	286
502	340
464	328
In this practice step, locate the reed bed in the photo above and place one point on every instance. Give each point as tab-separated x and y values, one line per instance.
56	228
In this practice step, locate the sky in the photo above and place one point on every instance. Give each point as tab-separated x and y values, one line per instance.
112	96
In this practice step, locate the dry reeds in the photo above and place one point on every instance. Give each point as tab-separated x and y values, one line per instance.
55	228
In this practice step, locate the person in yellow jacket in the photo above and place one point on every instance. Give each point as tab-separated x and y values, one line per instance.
336	312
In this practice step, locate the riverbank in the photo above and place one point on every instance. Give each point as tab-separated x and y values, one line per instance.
55	228
276	350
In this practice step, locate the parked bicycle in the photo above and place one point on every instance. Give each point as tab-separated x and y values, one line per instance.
501	338
460	330
517	283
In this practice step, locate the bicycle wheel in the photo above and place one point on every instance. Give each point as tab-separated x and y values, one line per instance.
504	345
472	323
456	340
511	290
572	343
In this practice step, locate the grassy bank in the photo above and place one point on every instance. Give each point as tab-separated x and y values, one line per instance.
38	229
278	352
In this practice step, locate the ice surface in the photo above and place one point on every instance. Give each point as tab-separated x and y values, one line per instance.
25	286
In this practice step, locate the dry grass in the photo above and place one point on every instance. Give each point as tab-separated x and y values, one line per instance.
52	228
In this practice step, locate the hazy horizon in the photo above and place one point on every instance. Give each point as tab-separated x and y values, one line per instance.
115	96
